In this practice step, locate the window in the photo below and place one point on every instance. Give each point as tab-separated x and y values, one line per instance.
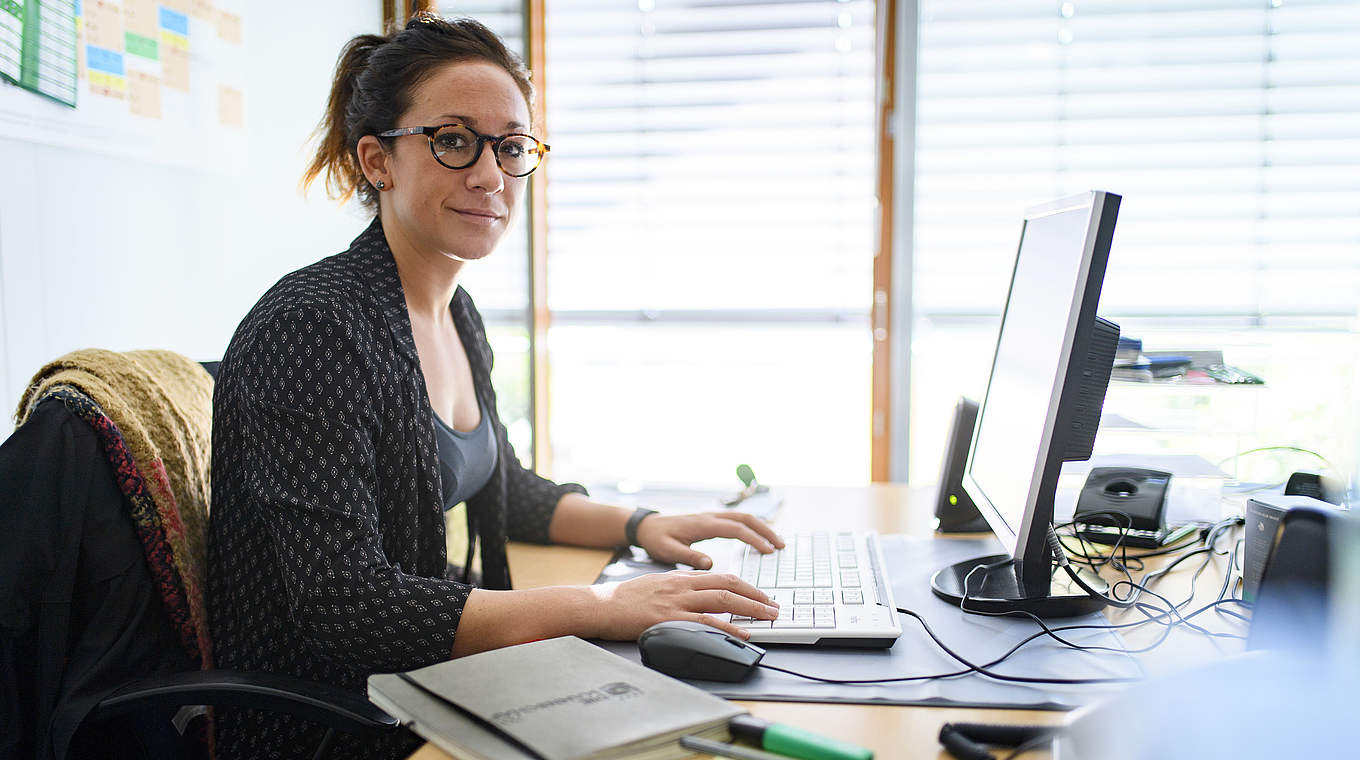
710	238
1232	130
500	283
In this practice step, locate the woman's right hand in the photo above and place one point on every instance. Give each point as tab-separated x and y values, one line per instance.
629	607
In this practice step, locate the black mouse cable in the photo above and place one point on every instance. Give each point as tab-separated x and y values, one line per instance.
1002	658
865	681
984	669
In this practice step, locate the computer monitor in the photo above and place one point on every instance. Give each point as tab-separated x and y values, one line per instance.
1042	407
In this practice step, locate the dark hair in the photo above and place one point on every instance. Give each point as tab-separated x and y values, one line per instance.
374	79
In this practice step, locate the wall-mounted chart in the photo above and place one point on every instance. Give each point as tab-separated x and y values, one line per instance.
156	80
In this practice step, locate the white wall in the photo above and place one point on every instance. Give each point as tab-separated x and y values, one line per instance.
98	250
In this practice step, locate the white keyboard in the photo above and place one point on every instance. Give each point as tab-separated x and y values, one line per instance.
831	588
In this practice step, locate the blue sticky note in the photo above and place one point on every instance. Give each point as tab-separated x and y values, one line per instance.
103	59
174	21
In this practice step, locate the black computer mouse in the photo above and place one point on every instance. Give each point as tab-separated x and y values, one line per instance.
685	649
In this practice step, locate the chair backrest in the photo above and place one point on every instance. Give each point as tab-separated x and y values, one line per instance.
76	590
152	411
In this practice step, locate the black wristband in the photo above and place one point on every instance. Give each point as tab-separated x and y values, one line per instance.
630	529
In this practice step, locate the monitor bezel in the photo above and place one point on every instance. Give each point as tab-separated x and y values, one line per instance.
1027	543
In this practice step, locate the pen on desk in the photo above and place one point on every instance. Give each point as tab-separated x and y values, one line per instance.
723	749
795	742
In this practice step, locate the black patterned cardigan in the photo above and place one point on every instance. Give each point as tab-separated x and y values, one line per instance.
327	556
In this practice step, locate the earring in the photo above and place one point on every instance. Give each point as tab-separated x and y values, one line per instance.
381	185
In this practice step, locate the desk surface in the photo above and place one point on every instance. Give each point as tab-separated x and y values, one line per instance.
891	731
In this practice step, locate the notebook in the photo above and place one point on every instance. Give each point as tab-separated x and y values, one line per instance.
557	699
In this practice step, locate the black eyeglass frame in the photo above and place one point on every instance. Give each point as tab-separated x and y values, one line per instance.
482	140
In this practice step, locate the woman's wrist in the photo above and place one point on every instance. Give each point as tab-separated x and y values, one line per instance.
581	522
630	529
494	619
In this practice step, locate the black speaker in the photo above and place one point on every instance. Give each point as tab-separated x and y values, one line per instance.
954	511
1295	588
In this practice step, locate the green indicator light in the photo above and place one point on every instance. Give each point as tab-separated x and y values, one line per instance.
953	500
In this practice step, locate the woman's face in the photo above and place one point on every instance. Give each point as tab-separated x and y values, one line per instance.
459	213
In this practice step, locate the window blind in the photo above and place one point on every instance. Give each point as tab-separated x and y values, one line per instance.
1231	128
710	154
499	284
710	236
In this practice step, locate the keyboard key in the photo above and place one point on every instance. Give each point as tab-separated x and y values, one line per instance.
808	579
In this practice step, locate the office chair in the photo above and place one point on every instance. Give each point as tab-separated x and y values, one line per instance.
99	653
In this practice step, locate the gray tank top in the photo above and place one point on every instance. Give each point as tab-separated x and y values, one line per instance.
466	460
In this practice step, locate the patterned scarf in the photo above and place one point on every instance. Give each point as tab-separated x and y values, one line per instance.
152	413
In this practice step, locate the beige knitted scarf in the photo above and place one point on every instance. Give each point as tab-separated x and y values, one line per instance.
161	402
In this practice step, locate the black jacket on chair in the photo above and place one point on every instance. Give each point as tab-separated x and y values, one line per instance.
79	615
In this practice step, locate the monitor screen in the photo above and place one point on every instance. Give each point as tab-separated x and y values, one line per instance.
1014	437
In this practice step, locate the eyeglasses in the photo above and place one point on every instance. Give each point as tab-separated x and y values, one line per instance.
457	146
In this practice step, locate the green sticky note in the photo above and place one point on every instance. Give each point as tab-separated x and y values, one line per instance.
142	46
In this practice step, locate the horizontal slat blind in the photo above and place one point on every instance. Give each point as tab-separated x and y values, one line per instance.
500	283
710	242
1231	128
710	154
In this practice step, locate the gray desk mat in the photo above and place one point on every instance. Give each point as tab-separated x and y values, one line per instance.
911	562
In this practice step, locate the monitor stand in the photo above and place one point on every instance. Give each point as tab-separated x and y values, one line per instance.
998	590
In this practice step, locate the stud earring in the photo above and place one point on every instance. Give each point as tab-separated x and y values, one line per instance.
381	185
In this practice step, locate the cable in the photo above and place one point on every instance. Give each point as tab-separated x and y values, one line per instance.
983	669
997	661
1168	617
1061	556
1309	452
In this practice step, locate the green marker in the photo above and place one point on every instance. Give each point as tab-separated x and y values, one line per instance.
795	742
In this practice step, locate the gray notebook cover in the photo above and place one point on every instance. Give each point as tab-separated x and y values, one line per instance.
562	697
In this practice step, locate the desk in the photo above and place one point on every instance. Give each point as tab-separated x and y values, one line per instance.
891	731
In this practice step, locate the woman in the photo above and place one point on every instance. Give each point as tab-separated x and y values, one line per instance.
354	406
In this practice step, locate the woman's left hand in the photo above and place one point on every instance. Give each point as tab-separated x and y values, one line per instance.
667	538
